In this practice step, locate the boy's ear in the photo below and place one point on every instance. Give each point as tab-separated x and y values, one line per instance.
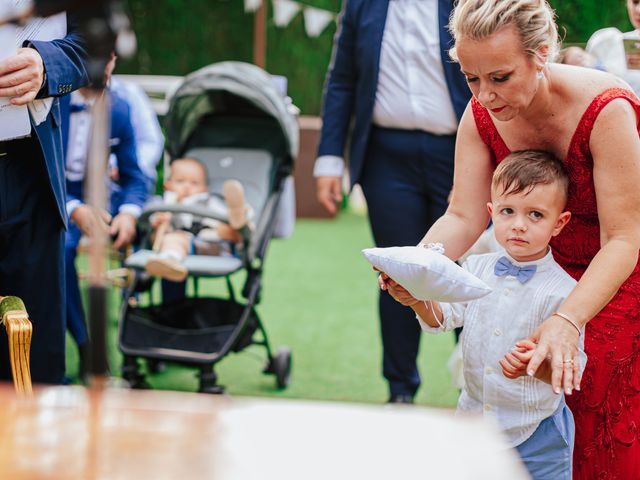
562	220
490	208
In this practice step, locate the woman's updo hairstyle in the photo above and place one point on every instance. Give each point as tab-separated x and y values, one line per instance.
534	20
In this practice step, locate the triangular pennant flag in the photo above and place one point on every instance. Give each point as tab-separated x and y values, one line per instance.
252	5
316	20
284	11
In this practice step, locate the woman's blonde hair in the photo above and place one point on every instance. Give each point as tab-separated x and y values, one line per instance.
534	20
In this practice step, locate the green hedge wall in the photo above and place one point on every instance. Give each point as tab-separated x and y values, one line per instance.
176	37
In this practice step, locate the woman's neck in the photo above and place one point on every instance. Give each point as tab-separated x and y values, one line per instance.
542	106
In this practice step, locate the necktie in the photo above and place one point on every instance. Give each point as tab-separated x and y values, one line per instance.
78	107
505	267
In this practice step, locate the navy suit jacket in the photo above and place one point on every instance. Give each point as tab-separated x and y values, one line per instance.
123	145
350	90
64	63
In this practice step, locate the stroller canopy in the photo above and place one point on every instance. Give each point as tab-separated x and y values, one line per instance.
212	90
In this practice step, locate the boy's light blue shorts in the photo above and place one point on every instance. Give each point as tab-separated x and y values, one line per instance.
548	453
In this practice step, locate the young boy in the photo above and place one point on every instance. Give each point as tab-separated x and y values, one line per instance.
187	184
528	196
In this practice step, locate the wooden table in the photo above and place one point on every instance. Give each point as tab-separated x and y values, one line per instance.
75	433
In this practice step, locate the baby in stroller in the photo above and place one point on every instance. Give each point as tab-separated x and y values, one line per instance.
179	234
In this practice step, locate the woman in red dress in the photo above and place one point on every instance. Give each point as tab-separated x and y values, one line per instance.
590	120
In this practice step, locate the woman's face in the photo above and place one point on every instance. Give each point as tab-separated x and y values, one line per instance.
500	74
633	7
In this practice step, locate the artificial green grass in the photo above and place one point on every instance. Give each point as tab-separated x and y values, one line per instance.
320	299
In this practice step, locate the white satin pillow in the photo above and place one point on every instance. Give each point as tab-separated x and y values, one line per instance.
427	274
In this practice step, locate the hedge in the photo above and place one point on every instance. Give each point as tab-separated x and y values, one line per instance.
176	37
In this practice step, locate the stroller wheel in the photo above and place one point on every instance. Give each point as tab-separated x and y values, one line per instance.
281	367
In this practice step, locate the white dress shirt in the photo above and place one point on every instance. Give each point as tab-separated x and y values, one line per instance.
146	128
492	326
412	93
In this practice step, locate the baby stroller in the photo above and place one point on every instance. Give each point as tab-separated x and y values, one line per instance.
229	116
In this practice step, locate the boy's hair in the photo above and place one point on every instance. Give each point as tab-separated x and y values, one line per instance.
193	160
522	170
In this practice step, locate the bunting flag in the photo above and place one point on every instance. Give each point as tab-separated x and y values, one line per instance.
251	5
316	20
284	11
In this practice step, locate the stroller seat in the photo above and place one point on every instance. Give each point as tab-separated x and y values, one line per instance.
196	265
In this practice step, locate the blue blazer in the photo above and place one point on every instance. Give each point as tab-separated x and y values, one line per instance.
64	63
123	145
350	90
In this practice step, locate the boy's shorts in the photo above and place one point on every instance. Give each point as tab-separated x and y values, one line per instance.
548	453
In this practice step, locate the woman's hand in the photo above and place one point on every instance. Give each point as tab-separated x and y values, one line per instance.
557	342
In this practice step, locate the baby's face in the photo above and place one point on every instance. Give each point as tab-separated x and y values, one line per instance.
187	178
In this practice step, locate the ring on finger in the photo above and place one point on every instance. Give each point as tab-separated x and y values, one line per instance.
570	360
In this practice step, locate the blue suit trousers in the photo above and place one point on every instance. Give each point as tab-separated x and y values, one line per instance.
31	257
406	179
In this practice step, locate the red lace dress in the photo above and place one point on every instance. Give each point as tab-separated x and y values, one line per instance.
607	409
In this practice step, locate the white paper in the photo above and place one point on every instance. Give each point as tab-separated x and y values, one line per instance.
14	120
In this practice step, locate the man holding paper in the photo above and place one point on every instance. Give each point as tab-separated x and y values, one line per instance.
32	196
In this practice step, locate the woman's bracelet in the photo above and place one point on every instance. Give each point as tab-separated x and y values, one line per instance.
435	246
570	320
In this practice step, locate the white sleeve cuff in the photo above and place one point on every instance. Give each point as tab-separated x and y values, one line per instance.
328	166
71	206
131	209
445	308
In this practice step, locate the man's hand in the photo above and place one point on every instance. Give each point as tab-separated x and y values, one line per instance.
329	192
123	227
21	76
88	220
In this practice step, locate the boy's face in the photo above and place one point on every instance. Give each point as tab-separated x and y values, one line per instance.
525	222
187	178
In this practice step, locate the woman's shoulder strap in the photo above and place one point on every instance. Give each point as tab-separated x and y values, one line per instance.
588	120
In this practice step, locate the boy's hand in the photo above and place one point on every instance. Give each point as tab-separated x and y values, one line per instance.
515	363
88	219
397	291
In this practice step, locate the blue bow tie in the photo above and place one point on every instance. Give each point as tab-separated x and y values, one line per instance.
505	267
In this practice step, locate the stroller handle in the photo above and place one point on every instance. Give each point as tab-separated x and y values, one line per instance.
196	210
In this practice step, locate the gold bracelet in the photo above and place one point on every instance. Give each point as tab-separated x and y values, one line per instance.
570	320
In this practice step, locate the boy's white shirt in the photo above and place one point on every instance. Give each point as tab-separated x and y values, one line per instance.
492	326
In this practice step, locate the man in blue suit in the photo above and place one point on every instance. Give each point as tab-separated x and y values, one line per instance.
32	198
392	81
132	193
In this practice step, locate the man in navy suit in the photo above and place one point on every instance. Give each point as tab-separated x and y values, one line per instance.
32	198
132	193
392	80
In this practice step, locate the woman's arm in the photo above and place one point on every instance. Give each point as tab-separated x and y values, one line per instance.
467	216
615	147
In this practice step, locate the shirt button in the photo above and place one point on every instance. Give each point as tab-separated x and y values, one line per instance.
488	370
505	291
497	332
487	408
